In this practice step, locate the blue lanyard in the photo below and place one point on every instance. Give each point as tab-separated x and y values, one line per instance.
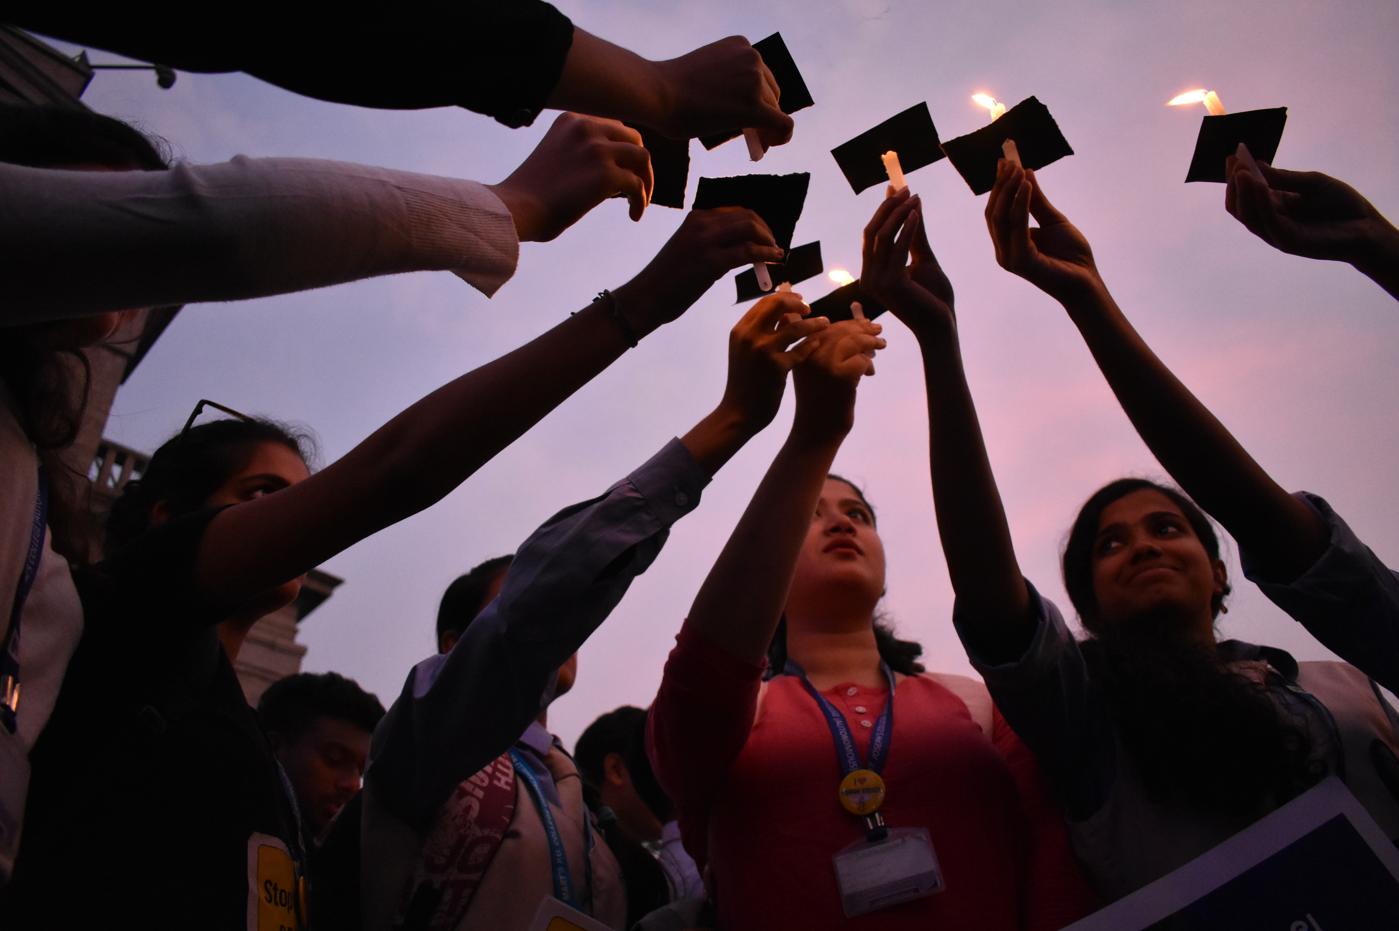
9	656
558	857
846	753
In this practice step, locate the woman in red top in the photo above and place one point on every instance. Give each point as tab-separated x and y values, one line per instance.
771	782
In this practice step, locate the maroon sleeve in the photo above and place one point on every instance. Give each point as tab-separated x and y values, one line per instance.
697	726
1055	891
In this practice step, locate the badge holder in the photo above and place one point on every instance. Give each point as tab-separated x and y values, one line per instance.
888	867
554	915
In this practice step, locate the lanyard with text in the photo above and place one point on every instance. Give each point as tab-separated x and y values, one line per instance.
558	857
861	787
9	654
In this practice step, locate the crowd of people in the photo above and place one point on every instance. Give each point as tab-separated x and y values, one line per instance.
770	783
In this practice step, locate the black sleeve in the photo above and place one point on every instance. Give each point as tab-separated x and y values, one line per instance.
501	58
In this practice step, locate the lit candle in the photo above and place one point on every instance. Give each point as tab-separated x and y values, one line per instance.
755	145
841	277
994	106
894	170
1209	98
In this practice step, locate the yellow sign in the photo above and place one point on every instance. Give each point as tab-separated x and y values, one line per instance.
275	897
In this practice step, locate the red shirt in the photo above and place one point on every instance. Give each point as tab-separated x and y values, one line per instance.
754	784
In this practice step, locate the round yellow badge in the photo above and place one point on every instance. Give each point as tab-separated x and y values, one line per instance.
862	792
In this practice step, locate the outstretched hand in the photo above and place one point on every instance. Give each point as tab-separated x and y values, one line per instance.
1304	213
826	379
708	244
580	162
722	87
919	293
1054	257
761	353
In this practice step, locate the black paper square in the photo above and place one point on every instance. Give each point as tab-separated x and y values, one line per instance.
802	262
1260	130
670	163
1036	135
910	133
836	305
778	199
795	95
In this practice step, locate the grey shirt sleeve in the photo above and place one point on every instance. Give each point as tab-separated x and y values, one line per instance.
459	710
1048	699
1347	599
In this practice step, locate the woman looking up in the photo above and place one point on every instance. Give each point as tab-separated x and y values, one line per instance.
848	759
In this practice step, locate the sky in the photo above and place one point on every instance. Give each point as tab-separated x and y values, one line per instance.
1294	356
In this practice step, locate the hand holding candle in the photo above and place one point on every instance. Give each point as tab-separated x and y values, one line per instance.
1054	257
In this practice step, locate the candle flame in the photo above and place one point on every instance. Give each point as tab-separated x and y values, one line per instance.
992	105
841	277
1189	97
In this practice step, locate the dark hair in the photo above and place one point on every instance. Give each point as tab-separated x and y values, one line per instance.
900	655
189	468
623	731
610	733
53	136
466	596
1198	733
50	386
291	705
1078	549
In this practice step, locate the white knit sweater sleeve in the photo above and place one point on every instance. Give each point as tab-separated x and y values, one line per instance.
78	242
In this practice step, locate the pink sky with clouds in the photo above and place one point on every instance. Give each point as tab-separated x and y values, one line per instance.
1296	357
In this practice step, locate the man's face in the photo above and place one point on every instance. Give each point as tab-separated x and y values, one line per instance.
325	765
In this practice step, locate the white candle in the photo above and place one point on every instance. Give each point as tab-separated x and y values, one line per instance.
755	145
894	170
764	279
1009	150
1212	104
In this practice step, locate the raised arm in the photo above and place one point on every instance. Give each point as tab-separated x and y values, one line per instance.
426	451
1283	534
971	520
565	581
508	60
1314	215
741	600
85	242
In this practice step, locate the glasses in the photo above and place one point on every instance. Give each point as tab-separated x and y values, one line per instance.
199	408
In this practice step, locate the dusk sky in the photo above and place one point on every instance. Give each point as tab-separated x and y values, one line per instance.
1295	356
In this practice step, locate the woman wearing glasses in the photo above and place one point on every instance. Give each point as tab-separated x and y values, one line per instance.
154	774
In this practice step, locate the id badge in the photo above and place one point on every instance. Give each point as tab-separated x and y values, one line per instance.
554	915
879	874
